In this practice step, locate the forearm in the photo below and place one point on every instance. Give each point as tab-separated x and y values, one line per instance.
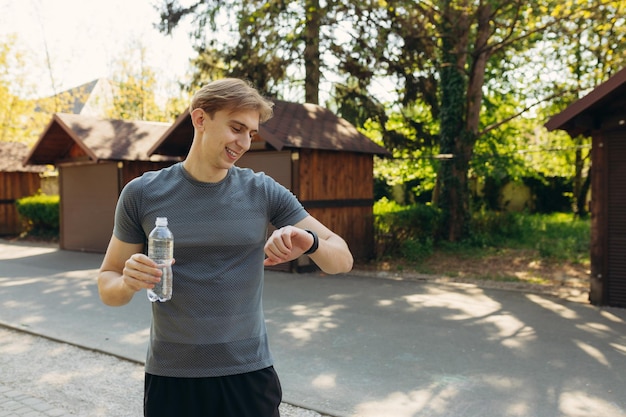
112	289
333	255
120	275
288	243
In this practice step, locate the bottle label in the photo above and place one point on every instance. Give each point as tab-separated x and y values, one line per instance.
161	249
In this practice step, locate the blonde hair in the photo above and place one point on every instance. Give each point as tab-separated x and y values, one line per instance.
231	94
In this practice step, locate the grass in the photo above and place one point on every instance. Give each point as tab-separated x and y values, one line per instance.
539	249
557	236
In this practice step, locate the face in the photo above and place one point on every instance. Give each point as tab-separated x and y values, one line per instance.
227	136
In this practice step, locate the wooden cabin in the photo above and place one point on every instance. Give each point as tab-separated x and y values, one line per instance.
16	181
601	114
95	159
321	158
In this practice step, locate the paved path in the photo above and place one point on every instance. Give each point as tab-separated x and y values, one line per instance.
352	346
15	403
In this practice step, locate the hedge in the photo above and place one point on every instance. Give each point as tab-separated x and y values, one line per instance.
40	211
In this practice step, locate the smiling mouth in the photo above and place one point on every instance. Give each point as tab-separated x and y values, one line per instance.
232	153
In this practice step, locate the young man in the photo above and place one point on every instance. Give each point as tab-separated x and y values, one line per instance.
208	353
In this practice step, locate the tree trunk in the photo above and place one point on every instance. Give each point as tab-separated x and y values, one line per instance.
312	51
453	196
452	175
582	209
460	113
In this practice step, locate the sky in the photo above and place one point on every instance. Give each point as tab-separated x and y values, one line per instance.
84	37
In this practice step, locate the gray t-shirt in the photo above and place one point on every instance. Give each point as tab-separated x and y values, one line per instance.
214	323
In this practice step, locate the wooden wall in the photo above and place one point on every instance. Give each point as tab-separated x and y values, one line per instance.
15	185
337	188
89	194
599	225
134	169
608	219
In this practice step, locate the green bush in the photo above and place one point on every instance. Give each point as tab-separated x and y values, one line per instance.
492	228
406	231
561	236
41	212
555	235
416	250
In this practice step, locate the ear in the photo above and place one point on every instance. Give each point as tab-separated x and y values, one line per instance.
197	118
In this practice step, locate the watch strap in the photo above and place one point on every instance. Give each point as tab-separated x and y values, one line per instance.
316	242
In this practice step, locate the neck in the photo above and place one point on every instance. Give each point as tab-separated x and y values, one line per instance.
202	172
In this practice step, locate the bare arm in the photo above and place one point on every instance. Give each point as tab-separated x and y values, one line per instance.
124	271
288	243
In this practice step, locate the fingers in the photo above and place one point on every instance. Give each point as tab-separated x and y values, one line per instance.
278	246
270	262
286	244
140	272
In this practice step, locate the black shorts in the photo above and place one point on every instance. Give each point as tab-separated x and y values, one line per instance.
254	394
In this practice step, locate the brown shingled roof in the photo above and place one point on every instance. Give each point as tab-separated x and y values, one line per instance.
11	156
69	135
605	101
294	125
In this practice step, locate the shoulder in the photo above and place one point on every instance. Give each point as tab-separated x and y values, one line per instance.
247	175
150	180
150	177
163	174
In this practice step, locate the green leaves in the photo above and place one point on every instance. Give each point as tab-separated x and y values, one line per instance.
475	80
41	211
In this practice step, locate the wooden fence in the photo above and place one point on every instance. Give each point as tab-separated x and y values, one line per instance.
338	189
15	185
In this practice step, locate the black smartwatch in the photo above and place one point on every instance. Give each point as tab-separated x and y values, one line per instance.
316	242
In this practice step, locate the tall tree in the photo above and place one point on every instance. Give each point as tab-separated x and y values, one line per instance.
13	109
448	54
23	118
135	85
275	44
592	47
445	59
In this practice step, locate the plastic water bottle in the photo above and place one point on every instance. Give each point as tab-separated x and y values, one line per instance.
161	251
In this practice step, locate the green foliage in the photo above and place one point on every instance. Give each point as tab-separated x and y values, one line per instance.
15	126
415	250
135	95
547	194
552	194
501	150
493	228
472	80
41	212
406	231
264	39
560	236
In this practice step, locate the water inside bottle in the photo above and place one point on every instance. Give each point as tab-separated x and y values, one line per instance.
162	291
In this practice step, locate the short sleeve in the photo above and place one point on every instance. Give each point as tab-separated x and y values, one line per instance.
285	209
127	226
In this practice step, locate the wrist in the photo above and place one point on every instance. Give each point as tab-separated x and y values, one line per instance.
316	242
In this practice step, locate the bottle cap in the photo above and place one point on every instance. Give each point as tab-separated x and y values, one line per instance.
161	221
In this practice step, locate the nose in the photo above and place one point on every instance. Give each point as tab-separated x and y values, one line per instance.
244	141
